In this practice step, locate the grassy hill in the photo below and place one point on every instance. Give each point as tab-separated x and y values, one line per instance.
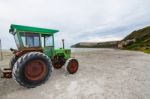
137	40
142	37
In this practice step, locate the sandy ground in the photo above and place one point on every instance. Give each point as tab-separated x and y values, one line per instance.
103	74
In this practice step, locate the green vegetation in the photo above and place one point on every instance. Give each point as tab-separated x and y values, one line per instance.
142	37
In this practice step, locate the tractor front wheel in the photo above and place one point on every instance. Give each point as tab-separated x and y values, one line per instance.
58	62
72	65
32	69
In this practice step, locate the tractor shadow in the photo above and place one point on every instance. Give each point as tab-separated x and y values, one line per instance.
60	72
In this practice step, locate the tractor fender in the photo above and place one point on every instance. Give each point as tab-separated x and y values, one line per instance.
27	50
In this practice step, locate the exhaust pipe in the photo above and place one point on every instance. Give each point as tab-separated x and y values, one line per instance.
63	43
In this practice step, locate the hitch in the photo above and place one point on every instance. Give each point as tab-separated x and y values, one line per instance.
6	73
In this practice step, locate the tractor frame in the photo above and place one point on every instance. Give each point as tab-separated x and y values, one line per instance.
36	47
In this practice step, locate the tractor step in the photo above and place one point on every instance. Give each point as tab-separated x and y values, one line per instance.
6	73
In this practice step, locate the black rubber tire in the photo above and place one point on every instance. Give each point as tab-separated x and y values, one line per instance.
58	62
69	65
13	61
19	69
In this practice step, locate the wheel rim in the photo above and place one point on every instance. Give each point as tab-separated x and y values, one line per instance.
35	70
73	66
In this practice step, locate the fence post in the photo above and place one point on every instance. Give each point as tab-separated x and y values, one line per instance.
1	52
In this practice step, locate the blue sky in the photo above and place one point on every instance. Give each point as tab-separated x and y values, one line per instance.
77	20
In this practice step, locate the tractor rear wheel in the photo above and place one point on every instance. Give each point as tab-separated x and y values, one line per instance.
13	61
72	65
32	69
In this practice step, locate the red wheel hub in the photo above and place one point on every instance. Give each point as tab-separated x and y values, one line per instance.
35	70
73	66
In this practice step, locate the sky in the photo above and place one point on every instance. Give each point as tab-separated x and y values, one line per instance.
77	20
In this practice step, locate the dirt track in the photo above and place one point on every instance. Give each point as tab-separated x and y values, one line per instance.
103	74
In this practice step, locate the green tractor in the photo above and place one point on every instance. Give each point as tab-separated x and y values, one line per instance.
32	62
